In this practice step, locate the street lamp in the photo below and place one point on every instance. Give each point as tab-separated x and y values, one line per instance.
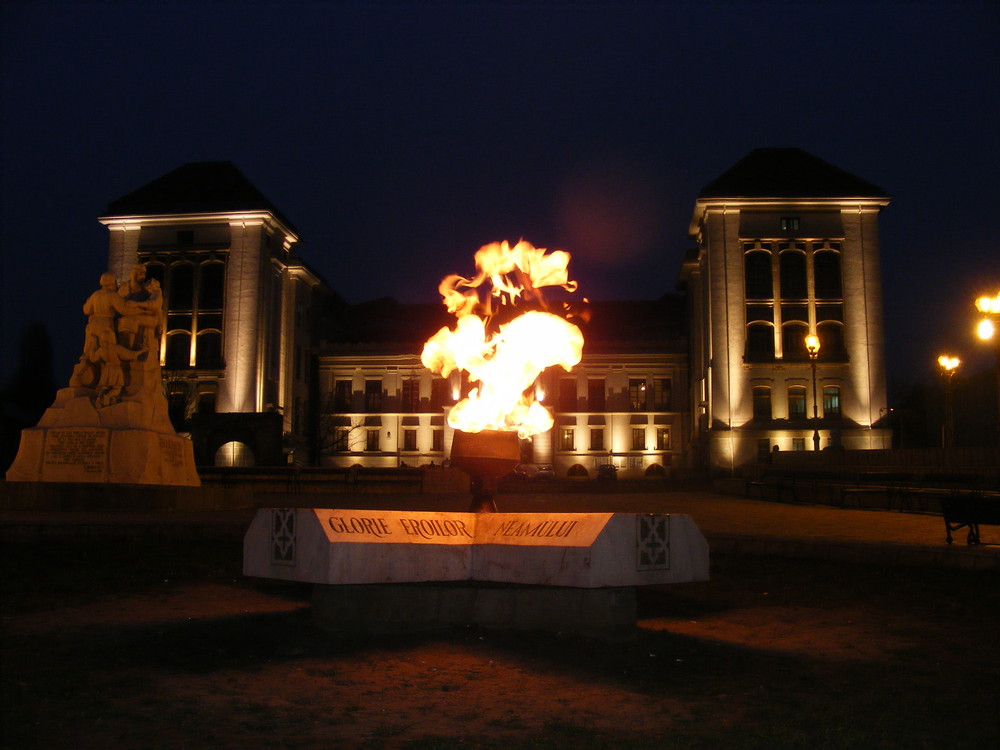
990	308
812	346
948	365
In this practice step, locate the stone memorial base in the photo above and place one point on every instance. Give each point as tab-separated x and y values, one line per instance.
412	570
130	442
97	454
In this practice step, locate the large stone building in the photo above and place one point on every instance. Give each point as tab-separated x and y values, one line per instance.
264	364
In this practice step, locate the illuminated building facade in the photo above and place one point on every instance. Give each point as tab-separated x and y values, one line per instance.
787	246
265	365
240	309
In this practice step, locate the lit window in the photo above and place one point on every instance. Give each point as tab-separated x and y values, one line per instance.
761	402
789	223
596	438
637	394
662	439
831	401
638	438
796	402
566	441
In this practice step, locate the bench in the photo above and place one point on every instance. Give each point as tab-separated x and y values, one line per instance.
969	510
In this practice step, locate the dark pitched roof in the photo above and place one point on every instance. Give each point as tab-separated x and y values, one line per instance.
198	187
788	173
636	326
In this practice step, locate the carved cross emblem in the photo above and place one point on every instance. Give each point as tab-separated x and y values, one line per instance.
283	536
652	542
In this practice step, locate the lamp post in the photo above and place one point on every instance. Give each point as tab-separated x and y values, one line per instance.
987	330
812	346
948	366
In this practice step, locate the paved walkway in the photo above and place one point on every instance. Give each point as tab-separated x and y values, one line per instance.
731	524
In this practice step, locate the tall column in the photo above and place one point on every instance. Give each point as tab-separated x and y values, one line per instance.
238	389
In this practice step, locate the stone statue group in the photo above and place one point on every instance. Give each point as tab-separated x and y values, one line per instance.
121	350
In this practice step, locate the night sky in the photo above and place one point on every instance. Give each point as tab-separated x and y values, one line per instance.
398	138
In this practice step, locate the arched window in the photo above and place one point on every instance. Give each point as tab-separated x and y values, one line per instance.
831	342
757	275
826	269
793	342
761	402
180	294
760	342
208	350
235	454
178	354
792	266
831	401
796	402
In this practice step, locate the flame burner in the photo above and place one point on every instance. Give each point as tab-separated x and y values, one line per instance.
485	456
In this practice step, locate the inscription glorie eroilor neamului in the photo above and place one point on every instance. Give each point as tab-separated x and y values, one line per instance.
111	424
380	527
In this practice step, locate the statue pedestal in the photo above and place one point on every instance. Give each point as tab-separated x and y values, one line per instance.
131	442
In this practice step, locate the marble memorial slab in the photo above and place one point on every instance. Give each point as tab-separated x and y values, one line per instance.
585	550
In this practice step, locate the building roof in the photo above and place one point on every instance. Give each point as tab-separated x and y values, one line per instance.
196	188
788	173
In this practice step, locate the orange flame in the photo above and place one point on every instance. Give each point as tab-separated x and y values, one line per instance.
506	362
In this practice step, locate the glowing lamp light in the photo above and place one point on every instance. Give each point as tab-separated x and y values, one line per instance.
812	344
948	363
985	330
989	305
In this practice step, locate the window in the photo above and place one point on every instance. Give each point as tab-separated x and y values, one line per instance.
372	440
596	394
792	275
567	394
340	444
760	342
761	402
826	273
210	288
178	354
566	442
789	223
662	438
596	438
440	393
373	395
637	394
409	440
661	394
208	350
793	342
411	395
638	438
757	275
831	401
437	440
831	342
342	395
796	402
181	294
798	444
206	402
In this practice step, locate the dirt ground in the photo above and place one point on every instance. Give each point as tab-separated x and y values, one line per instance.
165	645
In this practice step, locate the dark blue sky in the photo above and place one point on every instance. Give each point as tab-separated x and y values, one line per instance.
399	138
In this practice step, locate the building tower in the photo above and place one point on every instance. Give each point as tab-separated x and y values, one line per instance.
787	246
237	346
